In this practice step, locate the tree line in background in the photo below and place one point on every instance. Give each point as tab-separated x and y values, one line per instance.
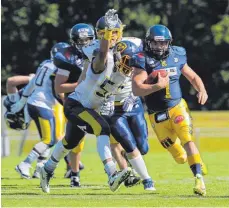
30	28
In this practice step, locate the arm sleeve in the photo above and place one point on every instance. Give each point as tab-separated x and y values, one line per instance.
29	88
61	62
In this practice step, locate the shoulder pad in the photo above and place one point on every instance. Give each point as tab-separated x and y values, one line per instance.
65	59
178	50
88	51
136	41
138	60
44	62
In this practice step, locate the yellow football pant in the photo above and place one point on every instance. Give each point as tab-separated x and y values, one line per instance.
174	132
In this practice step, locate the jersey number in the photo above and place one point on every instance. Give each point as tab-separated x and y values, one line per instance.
104	92
41	75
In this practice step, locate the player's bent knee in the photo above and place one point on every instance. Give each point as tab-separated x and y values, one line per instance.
79	147
182	159
70	143
105	130
144	149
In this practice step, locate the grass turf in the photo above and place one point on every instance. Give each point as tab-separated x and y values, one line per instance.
174	182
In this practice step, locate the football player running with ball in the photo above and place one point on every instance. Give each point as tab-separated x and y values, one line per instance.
168	111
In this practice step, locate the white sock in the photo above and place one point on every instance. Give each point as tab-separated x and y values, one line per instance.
33	155
110	168
103	147
139	165
58	153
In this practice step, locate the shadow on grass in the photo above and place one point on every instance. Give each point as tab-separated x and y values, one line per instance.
26	194
201	197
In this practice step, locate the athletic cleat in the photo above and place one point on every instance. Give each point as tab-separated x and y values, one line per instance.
199	188
44	180
148	185
68	172
24	170
81	166
132	180
36	174
37	171
75	181
118	178
204	169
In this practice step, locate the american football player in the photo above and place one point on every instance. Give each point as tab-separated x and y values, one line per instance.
40	98
128	116
168	111
71	62
21	119
80	110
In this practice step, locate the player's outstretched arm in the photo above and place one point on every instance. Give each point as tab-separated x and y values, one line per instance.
141	89
111	19
197	83
13	82
61	85
26	93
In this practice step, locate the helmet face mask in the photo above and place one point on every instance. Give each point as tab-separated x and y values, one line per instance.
158	38
122	64
81	42
116	32
158	47
123	51
15	121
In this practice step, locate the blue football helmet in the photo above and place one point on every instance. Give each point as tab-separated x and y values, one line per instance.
14	121
81	35
158	38
57	47
123	51
100	28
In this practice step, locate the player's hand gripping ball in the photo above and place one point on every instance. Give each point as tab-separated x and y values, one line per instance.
153	77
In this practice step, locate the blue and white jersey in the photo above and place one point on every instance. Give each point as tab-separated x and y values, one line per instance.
42	95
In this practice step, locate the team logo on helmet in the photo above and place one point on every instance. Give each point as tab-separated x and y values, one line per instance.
121	47
83	32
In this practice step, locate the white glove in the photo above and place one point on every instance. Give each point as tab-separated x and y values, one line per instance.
111	19
107	109
19	105
128	103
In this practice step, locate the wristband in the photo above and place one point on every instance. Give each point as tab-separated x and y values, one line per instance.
107	35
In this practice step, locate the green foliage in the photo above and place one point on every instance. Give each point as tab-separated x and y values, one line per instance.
30	28
221	30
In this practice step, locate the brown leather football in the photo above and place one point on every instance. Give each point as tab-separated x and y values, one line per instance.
153	77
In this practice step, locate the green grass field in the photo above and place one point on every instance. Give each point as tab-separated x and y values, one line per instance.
174	182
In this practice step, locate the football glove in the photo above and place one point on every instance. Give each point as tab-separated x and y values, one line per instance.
128	103
107	109
111	19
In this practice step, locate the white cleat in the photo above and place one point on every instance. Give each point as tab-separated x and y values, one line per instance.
24	170
118	178
37	171
44	180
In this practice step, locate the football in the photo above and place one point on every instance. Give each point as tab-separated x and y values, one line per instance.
153	77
